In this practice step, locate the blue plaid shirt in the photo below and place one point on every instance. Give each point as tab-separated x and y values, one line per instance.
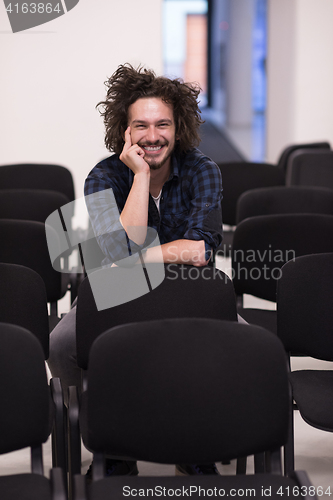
190	204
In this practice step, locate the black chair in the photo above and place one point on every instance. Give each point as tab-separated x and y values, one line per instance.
284	200
237	178
30	204
186	391
24	243
305	323
186	291
288	151
41	177
23	303
262	245
26	415
312	168
38	176
37	205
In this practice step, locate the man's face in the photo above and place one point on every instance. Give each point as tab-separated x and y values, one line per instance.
153	129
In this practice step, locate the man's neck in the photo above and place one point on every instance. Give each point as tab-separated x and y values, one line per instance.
158	178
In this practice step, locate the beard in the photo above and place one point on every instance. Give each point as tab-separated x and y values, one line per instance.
156	163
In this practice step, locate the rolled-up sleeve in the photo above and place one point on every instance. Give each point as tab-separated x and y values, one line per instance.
205	216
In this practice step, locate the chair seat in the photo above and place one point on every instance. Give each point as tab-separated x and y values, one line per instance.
313	393
261	317
118	487
25	487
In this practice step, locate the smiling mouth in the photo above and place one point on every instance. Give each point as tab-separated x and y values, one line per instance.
152	149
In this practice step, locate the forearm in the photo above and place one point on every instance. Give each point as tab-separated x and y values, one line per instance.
134	217
179	252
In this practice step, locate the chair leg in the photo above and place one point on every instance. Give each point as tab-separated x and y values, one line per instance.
58	488
268	462
79	488
259	463
241	465
74	437
59	432
289	452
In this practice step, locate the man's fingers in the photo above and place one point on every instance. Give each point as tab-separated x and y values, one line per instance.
136	149
128	139
132	155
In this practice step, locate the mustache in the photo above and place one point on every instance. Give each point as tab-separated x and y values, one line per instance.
148	143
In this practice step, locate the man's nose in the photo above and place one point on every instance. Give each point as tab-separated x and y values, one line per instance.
152	134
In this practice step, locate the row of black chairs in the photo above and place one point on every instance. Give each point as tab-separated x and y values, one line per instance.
223	358
301	165
323	249
29	193
34	408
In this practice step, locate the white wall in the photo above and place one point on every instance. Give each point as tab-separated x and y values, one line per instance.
300	73
52	77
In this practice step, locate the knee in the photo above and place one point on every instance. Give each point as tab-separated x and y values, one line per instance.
63	338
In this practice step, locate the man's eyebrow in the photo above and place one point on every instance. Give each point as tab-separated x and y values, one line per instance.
164	120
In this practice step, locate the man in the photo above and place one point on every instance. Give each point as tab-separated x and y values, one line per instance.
152	125
160	180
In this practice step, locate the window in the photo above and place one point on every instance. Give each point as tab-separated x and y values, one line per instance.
185	42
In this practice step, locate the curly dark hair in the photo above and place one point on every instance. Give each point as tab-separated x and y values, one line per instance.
128	84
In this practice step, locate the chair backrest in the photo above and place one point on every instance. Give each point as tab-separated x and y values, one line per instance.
30	204
186	291
263	244
38	176
240	177
284	200
24	243
313	168
23	301
24	391
187	391
289	150
305	306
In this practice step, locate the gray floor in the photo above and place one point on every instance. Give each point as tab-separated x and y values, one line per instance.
313	448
